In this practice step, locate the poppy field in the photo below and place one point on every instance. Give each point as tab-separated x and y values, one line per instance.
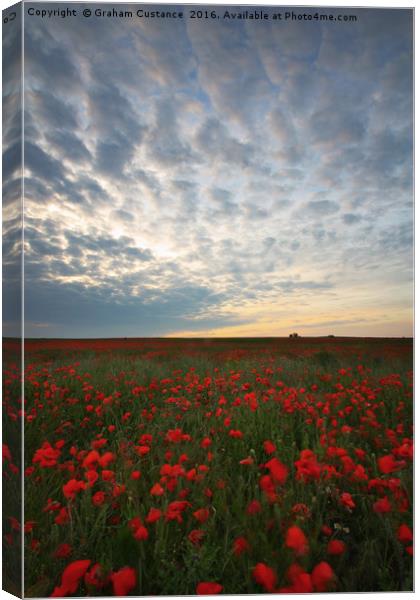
164	466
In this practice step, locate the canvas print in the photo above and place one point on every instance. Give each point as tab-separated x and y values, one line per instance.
207	299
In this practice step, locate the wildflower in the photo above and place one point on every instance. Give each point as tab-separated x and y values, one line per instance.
269	447
322	575
63	516
196	536
154	515
240	545
72	487
404	534
141	533
98	499
277	470
70	578
336	547
265	576
388	464
46	456
94	577
301	582
208	588
202	514
92	477
63	551
301	510
157	490
107	458
296	540
253	507
347	500
248	461
108	475
267	485
382	505
235	433
91	459
123	581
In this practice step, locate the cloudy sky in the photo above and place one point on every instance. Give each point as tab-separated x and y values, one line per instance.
217	178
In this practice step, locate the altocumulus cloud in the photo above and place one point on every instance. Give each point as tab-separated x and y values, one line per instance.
183	178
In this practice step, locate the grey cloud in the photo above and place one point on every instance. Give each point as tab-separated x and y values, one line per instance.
164	143
52	111
12	160
124	215
214	140
112	156
351	218
49	60
69	146
41	164
322	207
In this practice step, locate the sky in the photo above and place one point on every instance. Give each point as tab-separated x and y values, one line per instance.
218	178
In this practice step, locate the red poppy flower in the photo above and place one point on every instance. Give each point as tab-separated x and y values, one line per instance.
71	577
404	534
92	477
253	507
296	540
388	464
157	490
277	470
107	458
236	433
63	551
269	447
322	577
265	576
268	487
347	501
202	514
63	517
336	547
98	499
108	475
94	577
46	456
383	505
91	459
6	453
196	536
154	515
141	533
240	545
14	523
300	580
123	581
72	487
208	588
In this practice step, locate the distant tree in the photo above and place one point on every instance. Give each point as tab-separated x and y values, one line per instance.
293	335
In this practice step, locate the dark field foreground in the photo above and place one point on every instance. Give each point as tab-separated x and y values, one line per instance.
164	466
